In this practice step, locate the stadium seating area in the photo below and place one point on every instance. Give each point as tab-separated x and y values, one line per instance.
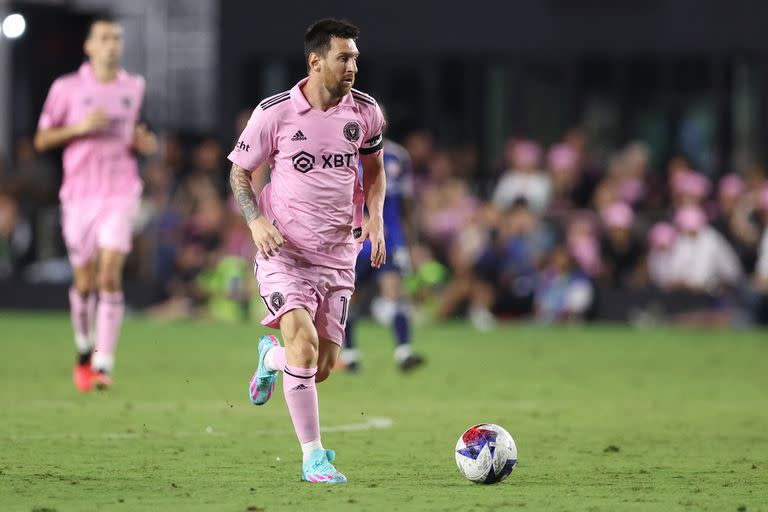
552	233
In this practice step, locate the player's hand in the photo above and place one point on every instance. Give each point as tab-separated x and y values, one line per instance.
144	141
373	229
95	121
267	238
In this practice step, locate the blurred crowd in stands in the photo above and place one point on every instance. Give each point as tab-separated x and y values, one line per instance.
555	234
549	233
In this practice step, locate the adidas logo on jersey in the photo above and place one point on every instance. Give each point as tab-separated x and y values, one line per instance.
299	387
298	136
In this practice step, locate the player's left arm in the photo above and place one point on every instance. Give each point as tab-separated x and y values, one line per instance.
144	140
375	188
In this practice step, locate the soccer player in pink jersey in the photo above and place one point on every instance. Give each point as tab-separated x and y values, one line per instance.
94	113
307	223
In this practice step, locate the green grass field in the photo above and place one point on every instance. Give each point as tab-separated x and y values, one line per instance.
687	410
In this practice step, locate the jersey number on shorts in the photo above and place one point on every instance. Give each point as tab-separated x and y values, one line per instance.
344	305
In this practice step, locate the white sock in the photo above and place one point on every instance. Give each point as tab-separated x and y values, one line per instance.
269	360
83	344
481	318
403	352
308	448
350	355
103	362
383	310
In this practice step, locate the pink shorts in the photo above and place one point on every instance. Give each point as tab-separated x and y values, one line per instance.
324	292
90	225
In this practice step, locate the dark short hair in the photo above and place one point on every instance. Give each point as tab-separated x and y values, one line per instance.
99	18
319	34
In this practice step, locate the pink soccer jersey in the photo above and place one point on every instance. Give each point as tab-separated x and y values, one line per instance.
102	164
314	156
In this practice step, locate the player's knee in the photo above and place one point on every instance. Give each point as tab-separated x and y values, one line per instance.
83	282
304	347
306	355
109	281
83	286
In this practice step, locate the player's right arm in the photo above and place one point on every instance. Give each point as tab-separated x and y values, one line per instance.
55	137
267	238
52	129
255	146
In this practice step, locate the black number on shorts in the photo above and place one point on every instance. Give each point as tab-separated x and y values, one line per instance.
344	304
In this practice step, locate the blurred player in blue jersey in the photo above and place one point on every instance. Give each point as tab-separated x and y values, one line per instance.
390	306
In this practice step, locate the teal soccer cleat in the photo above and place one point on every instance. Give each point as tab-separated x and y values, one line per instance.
263	381
318	469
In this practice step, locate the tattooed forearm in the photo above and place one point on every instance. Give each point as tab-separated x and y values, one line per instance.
240	181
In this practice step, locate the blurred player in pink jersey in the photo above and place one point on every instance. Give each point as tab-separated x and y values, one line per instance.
94	113
307	223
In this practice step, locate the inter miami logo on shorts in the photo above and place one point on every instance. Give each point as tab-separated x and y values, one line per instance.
303	161
276	300
127	102
352	131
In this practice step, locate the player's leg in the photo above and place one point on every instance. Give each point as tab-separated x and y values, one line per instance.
300	389
291	299
283	293
329	321
299	361
82	303
350	355
115	234
82	307
328	354
395	310
109	313
77	222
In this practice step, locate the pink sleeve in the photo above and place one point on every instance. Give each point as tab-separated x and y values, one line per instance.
257	142
54	112
374	138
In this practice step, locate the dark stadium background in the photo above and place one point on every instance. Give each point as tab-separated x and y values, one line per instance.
468	75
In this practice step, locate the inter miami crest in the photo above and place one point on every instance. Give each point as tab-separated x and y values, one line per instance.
352	131
276	300
127	102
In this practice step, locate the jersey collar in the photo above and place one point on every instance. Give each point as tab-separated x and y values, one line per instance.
86	71
301	105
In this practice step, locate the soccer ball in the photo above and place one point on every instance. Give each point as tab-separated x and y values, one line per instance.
486	454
